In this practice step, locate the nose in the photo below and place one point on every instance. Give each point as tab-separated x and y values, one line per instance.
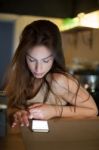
38	67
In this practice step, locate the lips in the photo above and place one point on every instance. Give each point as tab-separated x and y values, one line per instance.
38	74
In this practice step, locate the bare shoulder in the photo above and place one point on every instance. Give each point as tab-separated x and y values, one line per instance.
64	79
59	78
63	82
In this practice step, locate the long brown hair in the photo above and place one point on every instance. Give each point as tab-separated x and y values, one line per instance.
20	85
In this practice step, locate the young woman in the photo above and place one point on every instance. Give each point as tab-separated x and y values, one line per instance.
38	85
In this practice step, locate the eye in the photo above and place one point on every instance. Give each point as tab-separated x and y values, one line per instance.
45	61
31	60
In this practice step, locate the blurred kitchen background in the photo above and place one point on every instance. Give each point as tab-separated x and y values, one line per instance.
78	21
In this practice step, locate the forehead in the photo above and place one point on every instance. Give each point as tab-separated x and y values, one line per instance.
39	52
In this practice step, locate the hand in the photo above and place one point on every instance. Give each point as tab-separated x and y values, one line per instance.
42	111
21	118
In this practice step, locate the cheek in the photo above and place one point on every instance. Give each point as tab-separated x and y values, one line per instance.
49	66
30	66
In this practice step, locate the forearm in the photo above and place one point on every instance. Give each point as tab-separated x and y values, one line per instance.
74	111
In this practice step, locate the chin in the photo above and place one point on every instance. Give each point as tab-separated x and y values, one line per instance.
39	77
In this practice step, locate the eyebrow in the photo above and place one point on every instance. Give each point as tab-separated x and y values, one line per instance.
42	58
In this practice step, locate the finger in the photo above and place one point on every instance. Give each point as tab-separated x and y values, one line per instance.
25	120
19	119
31	116
15	118
15	121
14	124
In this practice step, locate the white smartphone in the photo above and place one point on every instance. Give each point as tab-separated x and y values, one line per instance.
40	126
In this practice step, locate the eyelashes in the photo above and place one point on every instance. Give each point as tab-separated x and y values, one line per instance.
31	60
45	61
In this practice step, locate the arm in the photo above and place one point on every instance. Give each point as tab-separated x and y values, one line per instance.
83	104
79	112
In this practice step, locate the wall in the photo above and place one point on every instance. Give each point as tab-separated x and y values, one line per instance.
81	46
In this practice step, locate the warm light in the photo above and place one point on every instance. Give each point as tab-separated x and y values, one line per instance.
82	20
69	23
90	20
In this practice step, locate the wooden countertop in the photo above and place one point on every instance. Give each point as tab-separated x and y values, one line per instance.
70	134
13	140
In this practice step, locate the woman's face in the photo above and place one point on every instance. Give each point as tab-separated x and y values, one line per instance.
39	60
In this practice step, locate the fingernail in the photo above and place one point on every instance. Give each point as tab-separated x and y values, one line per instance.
30	117
27	125
22	124
13	125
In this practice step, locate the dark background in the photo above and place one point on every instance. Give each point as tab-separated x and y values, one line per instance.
49	8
